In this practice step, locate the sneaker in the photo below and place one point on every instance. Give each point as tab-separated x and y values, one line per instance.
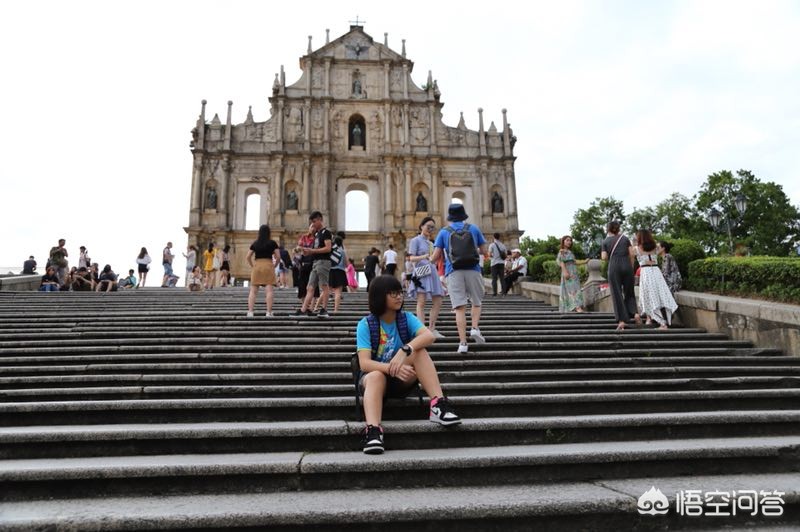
462	348
476	335
268	315
249	314
298	314
372	439
442	413
438	335
310	314
323	313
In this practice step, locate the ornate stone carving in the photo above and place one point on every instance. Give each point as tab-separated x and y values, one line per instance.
497	203
211	198
294	124
317	76
356	49
397	124
397	79
291	200
316	124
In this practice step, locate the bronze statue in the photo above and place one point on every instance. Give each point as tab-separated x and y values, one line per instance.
291	201
422	203
497	203
357	136
211	198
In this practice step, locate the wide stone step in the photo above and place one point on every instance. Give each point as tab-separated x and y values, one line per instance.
594	505
170	391
467	466
320	407
62	441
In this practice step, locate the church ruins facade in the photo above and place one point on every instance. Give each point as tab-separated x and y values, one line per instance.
354	121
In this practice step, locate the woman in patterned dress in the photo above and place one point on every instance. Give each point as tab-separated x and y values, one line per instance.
669	267
655	298
571	297
420	249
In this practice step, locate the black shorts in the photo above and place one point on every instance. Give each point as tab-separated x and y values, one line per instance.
144	268
337	278
395	388
226	266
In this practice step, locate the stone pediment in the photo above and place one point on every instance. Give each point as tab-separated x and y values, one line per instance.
355	45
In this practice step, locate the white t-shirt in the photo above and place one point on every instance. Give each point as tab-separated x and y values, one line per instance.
521	261
390	256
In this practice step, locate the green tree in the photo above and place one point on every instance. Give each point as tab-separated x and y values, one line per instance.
674	217
769	226
589	224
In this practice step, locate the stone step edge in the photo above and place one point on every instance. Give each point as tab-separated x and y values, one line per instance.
135	431
346	507
322	463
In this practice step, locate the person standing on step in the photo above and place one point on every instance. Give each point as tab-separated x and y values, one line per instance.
462	245
224	266
669	267
655	297
191	261
571	295
166	260
84	261
392	355
338	275
497	254
210	265
519	268
143	265
424	284
352	276
306	263
390	260
262	257
617	250
371	262
320	253
58	260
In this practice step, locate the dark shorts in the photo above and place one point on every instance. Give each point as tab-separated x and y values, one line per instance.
395	388
338	278
144	268
226	266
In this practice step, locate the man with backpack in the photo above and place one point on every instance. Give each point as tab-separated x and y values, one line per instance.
497	253
462	245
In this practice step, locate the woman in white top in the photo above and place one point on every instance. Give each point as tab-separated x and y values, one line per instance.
655	298
143	261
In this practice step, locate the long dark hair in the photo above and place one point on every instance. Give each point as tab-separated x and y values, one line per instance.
211	246
263	235
379	289
142	253
645	239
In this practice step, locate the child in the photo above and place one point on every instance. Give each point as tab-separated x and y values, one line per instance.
392	367
129	281
195	281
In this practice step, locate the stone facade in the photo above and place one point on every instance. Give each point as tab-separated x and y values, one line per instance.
354	120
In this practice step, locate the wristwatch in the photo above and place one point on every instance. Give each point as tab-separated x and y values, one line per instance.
407	349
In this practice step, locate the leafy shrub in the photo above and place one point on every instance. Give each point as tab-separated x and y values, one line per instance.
535	265
775	278
685	251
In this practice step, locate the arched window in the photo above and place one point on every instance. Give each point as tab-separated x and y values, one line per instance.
458	197
357	133
252	212
356	216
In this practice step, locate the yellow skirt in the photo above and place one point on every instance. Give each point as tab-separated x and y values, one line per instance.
263	273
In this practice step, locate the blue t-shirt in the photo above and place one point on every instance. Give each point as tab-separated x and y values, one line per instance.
443	242
390	340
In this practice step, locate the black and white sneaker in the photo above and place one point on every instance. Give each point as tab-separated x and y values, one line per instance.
298	314
323	313
372	439
442	413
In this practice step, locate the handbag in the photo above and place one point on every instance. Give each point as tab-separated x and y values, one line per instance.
422	271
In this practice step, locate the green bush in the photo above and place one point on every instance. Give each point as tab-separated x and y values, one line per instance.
535	265
487	267
775	278
685	251
552	272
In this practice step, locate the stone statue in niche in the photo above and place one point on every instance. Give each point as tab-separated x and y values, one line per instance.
291	200
357	140
357	87
211	198
422	203
497	203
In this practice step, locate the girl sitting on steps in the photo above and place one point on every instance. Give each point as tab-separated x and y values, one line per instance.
392	355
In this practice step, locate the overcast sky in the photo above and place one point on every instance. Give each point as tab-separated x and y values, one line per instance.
626	98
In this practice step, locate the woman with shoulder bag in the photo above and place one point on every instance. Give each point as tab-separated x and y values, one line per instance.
617	250
425	283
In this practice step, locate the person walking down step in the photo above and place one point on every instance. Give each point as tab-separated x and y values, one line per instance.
390	261
262	257
617	250
425	282
392	355
462	245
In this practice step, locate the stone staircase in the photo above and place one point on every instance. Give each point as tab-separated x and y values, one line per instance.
156	409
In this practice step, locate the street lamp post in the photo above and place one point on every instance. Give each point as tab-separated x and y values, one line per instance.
718	218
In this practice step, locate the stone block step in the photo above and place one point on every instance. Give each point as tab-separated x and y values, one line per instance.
69	441
607	505
173	391
321	407
412	468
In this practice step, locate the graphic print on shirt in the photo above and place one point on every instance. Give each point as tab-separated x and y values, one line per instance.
385	346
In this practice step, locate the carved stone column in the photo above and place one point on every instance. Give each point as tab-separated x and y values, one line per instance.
435	178
305	197
511	188
387	206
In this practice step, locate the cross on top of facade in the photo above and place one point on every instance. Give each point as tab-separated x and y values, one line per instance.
356	22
